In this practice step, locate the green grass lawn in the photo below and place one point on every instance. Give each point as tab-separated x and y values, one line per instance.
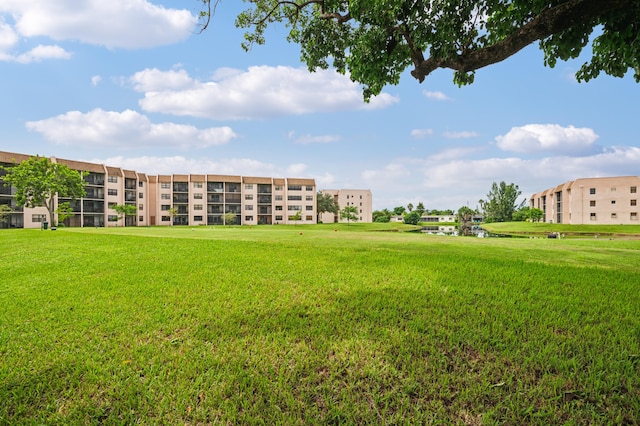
317	324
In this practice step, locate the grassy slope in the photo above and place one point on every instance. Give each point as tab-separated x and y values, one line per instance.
268	325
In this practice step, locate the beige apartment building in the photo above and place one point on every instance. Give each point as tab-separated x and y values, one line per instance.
179	199
602	201
360	198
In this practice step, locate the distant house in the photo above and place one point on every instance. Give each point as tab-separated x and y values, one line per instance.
603	200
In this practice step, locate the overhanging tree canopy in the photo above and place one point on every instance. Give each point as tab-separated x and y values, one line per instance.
376	40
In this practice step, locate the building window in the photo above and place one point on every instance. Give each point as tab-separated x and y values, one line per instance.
294	187
308	217
111	204
165	196
112	179
634	189
112	192
165	185
593	216
37	218
278	198
278	188
248	207
361	197
309	188
166	218
634	202
165	207
140	218
140	184
634	216
248	196
614	215
197	206
140	195
592	203
197	218
613	201
278	208
294	197
613	189
197	185
278	217
197	196
309	197
592	191
141	207
309	208
248	218
112	218
294	207
248	186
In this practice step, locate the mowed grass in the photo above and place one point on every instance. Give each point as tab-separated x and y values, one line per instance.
316	325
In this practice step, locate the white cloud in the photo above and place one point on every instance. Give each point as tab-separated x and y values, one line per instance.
8	37
259	92
125	129
552	138
37	54
421	133
438	96
154	80
450	181
297	170
95	80
311	139
128	24
460	135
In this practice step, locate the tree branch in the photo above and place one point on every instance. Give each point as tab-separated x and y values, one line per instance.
549	21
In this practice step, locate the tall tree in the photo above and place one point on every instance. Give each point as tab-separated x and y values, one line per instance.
326	203
411	218
399	211
465	221
420	209
410	207
349	213
38	181
501	202
375	41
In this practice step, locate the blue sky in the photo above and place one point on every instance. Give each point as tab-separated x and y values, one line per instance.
131	83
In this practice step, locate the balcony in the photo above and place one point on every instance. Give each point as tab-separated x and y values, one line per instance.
95	193
264	199
215	187
264	189
233	199
214	198
96	179
232	187
180	198
180	187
